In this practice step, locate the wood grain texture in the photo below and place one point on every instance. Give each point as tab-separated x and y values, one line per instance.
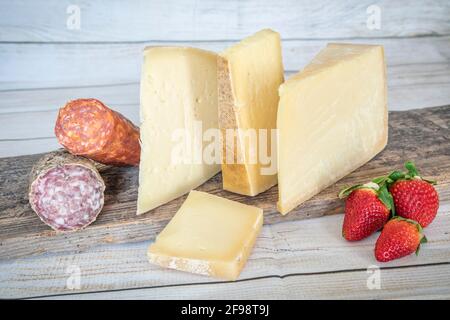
419	135
398	284
43	20
62	65
298	259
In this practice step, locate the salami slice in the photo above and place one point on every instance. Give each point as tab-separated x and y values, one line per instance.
66	192
88	128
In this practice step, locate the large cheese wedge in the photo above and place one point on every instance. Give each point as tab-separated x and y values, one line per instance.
332	119
249	74
178	104
208	235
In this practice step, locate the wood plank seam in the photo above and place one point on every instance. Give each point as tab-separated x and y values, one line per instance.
289	275
179	41
73	87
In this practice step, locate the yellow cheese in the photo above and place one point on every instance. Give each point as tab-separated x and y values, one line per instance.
249	74
208	235
178	93
332	119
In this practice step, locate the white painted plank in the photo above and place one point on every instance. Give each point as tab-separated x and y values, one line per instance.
53	98
26	66
43	20
296	247
9	148
431	282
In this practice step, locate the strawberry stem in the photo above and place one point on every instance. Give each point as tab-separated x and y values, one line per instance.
412	170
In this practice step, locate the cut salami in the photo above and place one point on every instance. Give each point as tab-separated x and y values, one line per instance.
66	192
88	128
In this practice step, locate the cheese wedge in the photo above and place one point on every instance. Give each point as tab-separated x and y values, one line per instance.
208	235
249	74
178	104
332	119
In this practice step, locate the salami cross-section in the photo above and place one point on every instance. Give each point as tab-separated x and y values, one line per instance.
86	127
66	192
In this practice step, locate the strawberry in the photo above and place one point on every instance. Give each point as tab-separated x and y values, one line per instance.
414	197
416	200
400	237
367	209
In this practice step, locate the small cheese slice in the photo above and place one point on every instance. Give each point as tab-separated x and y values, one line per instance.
249	74
208	235
332	119
178	104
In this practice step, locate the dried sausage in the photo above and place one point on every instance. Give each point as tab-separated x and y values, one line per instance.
86	127
66	192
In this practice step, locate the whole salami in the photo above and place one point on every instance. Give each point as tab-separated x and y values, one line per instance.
86	127
66	192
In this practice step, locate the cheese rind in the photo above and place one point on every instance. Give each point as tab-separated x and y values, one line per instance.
178	93
332	119
249	74
208	235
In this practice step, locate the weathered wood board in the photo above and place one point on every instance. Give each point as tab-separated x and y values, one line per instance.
419	135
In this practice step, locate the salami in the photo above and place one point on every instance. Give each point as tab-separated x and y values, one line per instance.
88	128
66	192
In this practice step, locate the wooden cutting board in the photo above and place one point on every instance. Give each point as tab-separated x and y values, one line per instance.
419	135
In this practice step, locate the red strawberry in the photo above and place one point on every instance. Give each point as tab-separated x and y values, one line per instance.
365	213
415	199
400	237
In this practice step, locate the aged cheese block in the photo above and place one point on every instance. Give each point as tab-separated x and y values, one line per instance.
332	119
178	104
208	235
249	74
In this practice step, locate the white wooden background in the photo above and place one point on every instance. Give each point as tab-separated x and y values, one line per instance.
44	63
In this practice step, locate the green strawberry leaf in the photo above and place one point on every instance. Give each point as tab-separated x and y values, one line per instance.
423	240
395	175
414	222
430	181
412	170
346	192
380	180
385	196
390	178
